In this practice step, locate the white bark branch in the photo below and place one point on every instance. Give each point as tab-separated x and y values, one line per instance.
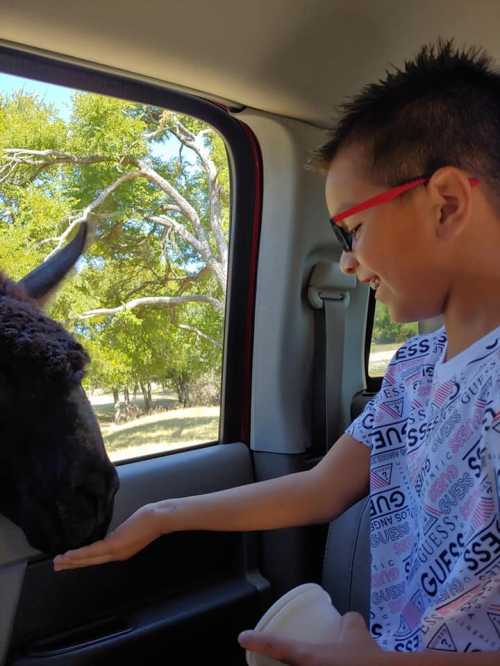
154	133
183	233
16	158
217	268
49	156
88	210
215	215
40	160
161	301
188	210
216	343
187	138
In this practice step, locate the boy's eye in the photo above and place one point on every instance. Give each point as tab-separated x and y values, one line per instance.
354	230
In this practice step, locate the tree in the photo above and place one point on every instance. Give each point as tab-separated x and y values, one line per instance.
154	275
385	330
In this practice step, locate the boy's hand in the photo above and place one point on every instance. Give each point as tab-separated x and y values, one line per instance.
352	646
127	539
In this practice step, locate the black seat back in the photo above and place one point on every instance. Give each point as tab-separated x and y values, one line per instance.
346	565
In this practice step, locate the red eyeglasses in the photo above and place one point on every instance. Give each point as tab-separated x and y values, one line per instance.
345	237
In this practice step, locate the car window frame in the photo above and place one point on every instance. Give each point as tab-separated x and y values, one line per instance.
245	166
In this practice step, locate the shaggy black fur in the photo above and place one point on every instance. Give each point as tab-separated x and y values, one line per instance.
34	344
56	480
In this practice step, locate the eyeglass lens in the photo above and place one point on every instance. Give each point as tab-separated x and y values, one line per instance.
343	236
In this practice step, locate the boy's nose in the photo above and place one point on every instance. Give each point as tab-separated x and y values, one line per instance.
348	263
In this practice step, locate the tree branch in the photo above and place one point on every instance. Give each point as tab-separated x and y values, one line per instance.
88	210
187	138
189	279
161	301
183	233
140	287
188	210
216	343
44	159
216	267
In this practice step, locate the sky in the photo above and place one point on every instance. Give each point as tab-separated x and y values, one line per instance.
60	97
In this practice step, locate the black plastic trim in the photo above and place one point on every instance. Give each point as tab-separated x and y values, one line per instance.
163	625
373	384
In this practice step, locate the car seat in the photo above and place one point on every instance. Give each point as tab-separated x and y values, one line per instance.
346	563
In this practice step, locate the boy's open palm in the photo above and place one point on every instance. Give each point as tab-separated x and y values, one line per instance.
127	539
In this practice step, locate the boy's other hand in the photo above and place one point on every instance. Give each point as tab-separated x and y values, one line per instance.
127	539
352	646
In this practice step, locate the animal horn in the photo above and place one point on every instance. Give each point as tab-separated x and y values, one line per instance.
43	279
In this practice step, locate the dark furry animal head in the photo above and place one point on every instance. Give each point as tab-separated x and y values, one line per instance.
56	480
36	345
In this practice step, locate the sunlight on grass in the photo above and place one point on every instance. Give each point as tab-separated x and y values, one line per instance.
164	431
380	355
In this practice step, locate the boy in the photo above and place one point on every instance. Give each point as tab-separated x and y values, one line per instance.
414	198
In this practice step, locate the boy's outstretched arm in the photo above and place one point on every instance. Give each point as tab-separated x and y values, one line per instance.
302	498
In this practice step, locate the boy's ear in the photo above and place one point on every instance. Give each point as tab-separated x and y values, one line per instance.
451	192
449	222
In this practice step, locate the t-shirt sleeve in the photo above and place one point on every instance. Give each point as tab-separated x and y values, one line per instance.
360	429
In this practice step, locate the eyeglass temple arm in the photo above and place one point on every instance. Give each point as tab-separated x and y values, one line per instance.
385	197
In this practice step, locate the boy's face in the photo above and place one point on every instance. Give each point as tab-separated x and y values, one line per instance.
394	244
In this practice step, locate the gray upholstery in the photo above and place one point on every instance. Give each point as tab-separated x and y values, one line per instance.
346	565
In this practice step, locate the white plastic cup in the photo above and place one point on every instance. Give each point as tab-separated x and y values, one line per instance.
304	613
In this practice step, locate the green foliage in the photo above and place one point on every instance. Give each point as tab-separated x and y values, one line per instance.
105	126
27	122
130	256
386	330
36	214
191	357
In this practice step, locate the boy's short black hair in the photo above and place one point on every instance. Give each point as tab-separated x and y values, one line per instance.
440	109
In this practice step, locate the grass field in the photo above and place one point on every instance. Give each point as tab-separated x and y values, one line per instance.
379	358
168	430
176	428
389	346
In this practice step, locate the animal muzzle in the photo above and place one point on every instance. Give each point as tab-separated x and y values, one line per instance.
64	525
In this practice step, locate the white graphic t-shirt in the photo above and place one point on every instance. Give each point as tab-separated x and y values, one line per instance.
434	434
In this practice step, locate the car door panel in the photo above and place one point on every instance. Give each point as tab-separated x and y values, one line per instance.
184	591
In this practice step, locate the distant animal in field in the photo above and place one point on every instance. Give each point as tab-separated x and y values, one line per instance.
125	411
